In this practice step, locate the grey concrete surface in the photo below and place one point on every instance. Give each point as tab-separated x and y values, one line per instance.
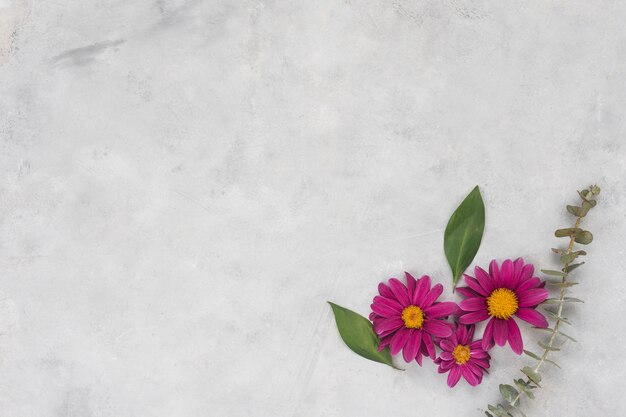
183	185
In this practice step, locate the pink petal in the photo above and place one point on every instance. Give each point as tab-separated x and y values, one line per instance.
473	304
470	334
526	274
532	297
437	328
506	274
400	292
389	324
446	365
495	273
385	291
446	356
421	289
466	292
532	316
526	285
447	345
399	340
474	285
410	284
474	368
515	337
383	310
388	302
430	347
469	376
412	345
517	270
432	296
479	354
474	317
484	279
488	335
454	376
418	358
500	332
481	362
461	334
441	310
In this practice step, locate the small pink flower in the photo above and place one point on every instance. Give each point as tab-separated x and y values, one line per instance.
462	356
501	294
406	318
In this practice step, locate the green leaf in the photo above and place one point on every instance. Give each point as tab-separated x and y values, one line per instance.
554	273
557	317
525	388
567	258
552	362
464	233
548	347
562	284
586	206
567	336
532	355
570	268
583	194
565	300
584	237
358	334
509	393
573	210
595	190
488	414
532	375
569	232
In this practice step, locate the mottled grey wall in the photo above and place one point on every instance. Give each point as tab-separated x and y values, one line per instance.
183	184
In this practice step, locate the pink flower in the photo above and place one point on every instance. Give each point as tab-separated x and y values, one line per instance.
463	356
501	294
406	318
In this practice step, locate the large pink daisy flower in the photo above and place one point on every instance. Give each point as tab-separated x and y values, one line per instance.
462	356
407	317
502	294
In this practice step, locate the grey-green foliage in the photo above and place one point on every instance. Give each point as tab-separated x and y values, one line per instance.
511	395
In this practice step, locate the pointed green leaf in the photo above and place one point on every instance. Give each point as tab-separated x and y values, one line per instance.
584	238
567	337
584	194
556	316
557	250
565	300
464	233
547	347
508	393
552	362
532	375
570	268
595	190
554	273
358	334
532	355
563	284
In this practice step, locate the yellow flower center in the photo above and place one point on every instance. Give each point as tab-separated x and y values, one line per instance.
502	303
461	354
413	317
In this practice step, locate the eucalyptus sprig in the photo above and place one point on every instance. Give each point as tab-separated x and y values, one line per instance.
512	395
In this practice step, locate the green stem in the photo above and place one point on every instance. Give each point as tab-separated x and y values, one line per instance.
559	312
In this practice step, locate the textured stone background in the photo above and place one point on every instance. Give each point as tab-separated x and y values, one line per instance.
183	185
